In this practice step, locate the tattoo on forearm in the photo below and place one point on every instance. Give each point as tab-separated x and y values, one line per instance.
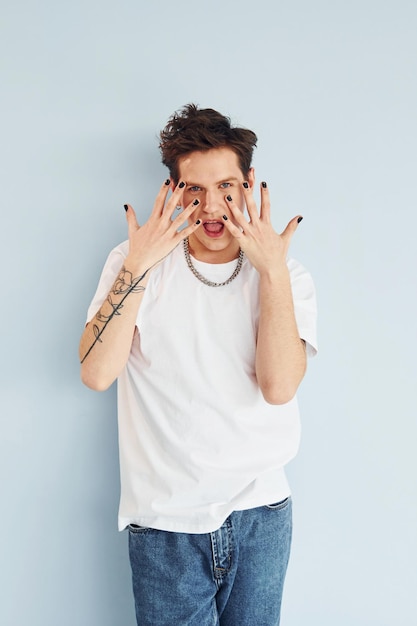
123	285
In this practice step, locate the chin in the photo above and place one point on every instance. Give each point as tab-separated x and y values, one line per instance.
216	244
223	248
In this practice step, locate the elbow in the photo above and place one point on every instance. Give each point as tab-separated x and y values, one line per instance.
94	381
278	394
280	390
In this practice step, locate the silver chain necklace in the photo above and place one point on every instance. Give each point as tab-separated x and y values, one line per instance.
201	277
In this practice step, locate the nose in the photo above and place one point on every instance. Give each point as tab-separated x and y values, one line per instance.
212	202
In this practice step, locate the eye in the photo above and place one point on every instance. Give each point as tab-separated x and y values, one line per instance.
194	189
225	185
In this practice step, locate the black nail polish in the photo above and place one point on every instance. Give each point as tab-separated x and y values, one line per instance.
229	198
181	185
195	202
225	218
126	207
299	219
245	184
167	182
198	222
264	185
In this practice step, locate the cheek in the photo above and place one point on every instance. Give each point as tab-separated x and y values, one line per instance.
189	197
186	199
241	202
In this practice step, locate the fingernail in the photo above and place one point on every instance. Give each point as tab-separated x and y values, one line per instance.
229	198
245	184
181	185
195	202
198	222
167	181
263	184
225	218
126	207
299	219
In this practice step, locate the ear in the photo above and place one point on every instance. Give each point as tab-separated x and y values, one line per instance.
172	185
251	177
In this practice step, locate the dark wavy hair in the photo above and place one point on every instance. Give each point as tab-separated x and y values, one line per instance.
191	129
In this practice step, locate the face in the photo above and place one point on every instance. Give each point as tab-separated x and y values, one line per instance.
210	176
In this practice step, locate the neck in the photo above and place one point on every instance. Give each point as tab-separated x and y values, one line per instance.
201	253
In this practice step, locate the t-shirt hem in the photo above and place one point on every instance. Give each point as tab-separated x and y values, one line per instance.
199	528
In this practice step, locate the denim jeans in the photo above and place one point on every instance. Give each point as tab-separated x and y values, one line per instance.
231	577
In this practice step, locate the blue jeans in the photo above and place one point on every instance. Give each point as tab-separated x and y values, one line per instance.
231	577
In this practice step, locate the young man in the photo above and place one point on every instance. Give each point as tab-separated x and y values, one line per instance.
206	324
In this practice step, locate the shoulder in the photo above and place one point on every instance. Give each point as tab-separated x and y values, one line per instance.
115	258
298	273
302	283
296	268
121	250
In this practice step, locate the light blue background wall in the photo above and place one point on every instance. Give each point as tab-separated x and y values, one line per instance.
330	88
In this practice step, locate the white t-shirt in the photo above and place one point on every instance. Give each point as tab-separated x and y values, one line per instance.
197	439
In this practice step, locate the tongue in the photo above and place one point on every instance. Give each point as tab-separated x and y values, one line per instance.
214	227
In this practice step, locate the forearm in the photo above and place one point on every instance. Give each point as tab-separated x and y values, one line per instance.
106	341
280	354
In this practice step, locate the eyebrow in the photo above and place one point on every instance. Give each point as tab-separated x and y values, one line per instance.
224	180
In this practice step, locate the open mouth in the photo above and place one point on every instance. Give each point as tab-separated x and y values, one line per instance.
213	228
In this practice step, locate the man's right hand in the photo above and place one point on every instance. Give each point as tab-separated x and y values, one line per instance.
152	242
107	339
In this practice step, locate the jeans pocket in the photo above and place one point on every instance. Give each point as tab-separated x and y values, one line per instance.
278	506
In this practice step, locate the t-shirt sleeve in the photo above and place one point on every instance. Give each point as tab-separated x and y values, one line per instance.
110	271
305	306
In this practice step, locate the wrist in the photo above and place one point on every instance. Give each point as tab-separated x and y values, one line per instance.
137	267
275	273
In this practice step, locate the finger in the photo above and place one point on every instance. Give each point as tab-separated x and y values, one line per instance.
175	199
265	212
235	231
132	223
188	230
250	202
160	199
236	213
291	227
182	217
